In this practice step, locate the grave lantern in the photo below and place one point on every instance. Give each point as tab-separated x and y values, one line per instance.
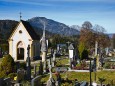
71	54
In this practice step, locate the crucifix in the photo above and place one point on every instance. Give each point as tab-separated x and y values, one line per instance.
28	50
28	64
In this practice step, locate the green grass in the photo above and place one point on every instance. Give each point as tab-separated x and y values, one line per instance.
0	60
84	76
62	62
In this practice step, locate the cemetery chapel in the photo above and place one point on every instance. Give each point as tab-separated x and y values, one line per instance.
22	36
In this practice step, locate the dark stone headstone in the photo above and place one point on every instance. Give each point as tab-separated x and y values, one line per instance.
52	51
0	52
2	83
41	68
17	65
20	75
58	79
7	82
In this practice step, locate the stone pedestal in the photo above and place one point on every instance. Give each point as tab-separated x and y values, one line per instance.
45	66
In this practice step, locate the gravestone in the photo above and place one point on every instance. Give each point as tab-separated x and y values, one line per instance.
54	59
41	68
36	81
53	63
20	75
7	81
107	51
49	62
84	83
51	81
28	62
17	65
52	51
58	79
58	49
1	52
71	54
34	70
96	48
54	56
2	83
17	84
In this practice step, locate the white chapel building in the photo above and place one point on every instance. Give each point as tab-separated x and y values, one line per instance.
22	36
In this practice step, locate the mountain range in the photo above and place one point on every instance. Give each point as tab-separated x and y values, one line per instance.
52	27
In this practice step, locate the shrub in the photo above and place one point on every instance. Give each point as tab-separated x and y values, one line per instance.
26	83
12	75
23	65
83	51
7	64
84	54
107	65
81	66
3	74
4	47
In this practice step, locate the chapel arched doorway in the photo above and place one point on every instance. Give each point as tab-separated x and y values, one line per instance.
20	51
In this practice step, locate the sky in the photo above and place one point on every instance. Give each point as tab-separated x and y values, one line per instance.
69	12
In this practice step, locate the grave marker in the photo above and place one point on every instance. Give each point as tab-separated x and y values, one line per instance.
20	75
41	68
28	62
71	54
51	81
34	70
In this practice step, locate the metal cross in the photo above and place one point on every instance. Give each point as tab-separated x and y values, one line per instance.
20	15
28	50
